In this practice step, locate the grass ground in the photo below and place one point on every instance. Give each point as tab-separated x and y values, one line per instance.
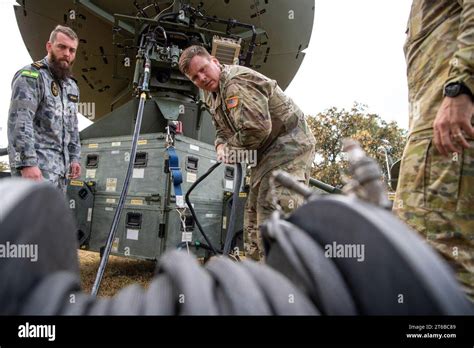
119	273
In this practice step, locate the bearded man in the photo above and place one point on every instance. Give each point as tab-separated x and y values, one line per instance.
43	136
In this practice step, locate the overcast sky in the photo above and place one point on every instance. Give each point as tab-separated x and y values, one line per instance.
355	54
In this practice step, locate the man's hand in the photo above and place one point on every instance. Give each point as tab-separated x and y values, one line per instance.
75	170
454	117
32	173
220	153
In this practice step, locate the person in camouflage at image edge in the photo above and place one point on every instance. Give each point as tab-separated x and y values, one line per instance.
43	136
435	192
251	112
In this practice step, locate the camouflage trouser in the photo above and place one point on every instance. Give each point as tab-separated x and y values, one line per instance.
56	179
435	196
260	205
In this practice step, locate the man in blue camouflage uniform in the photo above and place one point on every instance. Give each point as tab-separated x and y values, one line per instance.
43	136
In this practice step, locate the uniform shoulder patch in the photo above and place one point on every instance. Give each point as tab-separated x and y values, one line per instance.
232	102
30	73
38	65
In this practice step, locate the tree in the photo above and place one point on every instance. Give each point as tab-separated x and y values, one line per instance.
333	125
4	166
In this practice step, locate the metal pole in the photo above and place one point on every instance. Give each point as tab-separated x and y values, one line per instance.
118	211
323	186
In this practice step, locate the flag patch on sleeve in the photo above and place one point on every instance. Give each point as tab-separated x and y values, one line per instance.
232	102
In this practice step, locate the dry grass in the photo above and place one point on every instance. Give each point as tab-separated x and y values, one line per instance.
119	272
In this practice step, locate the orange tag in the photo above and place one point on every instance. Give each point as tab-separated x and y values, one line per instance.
232	102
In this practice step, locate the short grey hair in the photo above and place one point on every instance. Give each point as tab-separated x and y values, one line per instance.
188	54
65	30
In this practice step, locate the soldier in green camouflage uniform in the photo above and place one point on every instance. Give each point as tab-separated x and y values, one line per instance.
436	187
43	136
250	112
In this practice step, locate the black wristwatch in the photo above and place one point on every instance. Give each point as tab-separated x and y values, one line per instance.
454	89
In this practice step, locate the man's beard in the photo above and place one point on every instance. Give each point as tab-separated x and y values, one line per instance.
58	70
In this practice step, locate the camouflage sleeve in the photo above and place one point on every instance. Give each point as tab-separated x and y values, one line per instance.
74	147
247	105
462	64
221	135
26	96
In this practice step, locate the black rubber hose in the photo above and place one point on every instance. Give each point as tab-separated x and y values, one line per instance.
123	194
235	197
191	209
